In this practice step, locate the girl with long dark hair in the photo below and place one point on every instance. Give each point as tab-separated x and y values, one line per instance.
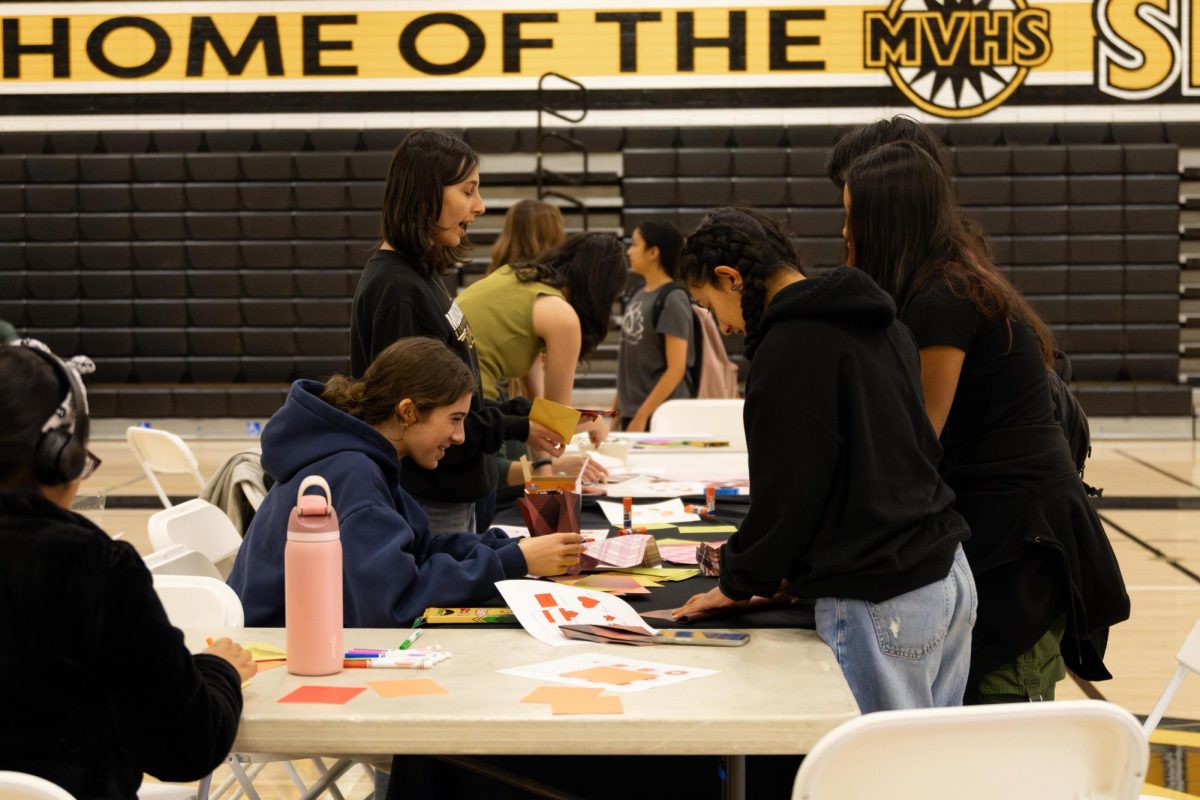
431	199
1049	585
848	508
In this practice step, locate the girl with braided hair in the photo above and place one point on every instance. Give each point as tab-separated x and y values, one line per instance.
848	509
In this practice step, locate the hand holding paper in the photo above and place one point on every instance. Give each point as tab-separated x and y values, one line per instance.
555	416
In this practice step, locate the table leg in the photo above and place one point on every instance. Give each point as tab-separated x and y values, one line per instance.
734	787
338	769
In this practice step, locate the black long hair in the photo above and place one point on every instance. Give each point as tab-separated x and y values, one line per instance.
423	165
860	141
669	241
591	269
750	242
906	232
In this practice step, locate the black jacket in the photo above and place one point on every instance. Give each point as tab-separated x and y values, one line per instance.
847	499
96	685
393	301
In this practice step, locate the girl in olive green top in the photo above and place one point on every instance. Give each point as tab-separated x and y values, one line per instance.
561	304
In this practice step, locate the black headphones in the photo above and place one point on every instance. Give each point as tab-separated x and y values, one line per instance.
61	450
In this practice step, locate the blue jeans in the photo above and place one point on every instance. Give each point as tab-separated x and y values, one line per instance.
912	651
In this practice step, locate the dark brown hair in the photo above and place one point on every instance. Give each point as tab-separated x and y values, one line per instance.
907	231
750	242
424	164
423	370
29	393
531	227
591	269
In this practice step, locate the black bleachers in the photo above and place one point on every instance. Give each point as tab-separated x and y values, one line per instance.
1083	218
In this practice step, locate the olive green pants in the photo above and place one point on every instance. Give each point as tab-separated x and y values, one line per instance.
1030	677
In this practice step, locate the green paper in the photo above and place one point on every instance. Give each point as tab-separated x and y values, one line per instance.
708	529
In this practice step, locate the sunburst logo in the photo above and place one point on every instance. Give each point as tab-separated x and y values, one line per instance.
957	58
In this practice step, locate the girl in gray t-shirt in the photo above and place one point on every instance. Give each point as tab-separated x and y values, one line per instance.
656	349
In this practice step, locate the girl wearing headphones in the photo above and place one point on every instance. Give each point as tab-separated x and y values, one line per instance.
84	714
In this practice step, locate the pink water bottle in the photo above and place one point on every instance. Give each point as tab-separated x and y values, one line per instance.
312	576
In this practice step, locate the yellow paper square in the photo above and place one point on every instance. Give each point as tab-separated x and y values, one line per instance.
559	418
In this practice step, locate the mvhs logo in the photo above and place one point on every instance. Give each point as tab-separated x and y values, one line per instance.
957	58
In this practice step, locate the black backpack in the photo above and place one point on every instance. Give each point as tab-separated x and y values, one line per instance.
656	313
1069	415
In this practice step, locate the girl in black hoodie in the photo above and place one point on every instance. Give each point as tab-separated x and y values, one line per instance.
848	507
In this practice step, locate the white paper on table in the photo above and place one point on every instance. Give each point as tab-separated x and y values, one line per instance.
541	606
659	437
643	486
664	674
513	531
594	535
667	511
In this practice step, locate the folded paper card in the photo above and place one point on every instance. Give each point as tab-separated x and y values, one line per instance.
708	557
541	607
551	512
561	419
638	550
686	553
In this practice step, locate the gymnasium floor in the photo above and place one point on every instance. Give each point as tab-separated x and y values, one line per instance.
1150	508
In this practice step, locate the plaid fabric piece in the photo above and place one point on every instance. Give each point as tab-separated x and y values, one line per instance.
709	559
552	512
622	551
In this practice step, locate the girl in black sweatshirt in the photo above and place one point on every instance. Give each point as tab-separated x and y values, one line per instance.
431	198
848	508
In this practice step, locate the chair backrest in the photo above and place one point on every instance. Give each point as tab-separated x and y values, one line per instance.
193	601
162	451
19	786
197	525
1189	661
178	560
1034	751
718	418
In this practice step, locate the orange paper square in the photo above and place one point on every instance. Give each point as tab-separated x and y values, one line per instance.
554	694
588	705
334	695
413	687
613	675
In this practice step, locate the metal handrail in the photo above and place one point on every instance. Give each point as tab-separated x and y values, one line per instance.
542	174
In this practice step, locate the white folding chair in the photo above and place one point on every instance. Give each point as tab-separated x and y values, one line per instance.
1189	661
1033	751
192	601
197	525
161	451
179	560
20	786
721	419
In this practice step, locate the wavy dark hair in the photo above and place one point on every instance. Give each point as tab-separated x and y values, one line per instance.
669	241
906	231
591	269
418	368
423	165
750	242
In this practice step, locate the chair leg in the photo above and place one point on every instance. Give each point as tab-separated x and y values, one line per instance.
203	787
297	781
1156	714
244	780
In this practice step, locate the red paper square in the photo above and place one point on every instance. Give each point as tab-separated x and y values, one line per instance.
333	695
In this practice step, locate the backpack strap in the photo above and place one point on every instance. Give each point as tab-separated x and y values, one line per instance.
660	303
656	313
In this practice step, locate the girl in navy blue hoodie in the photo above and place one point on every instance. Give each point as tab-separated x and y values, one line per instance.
410	403
848	507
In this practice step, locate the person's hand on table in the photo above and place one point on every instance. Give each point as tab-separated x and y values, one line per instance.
712	600
235	654
571	465
596	427
551	554
544	440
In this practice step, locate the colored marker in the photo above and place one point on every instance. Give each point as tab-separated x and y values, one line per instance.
412	637
385	663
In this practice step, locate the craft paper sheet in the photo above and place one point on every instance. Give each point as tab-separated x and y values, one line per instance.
541	607
558	672
668	511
